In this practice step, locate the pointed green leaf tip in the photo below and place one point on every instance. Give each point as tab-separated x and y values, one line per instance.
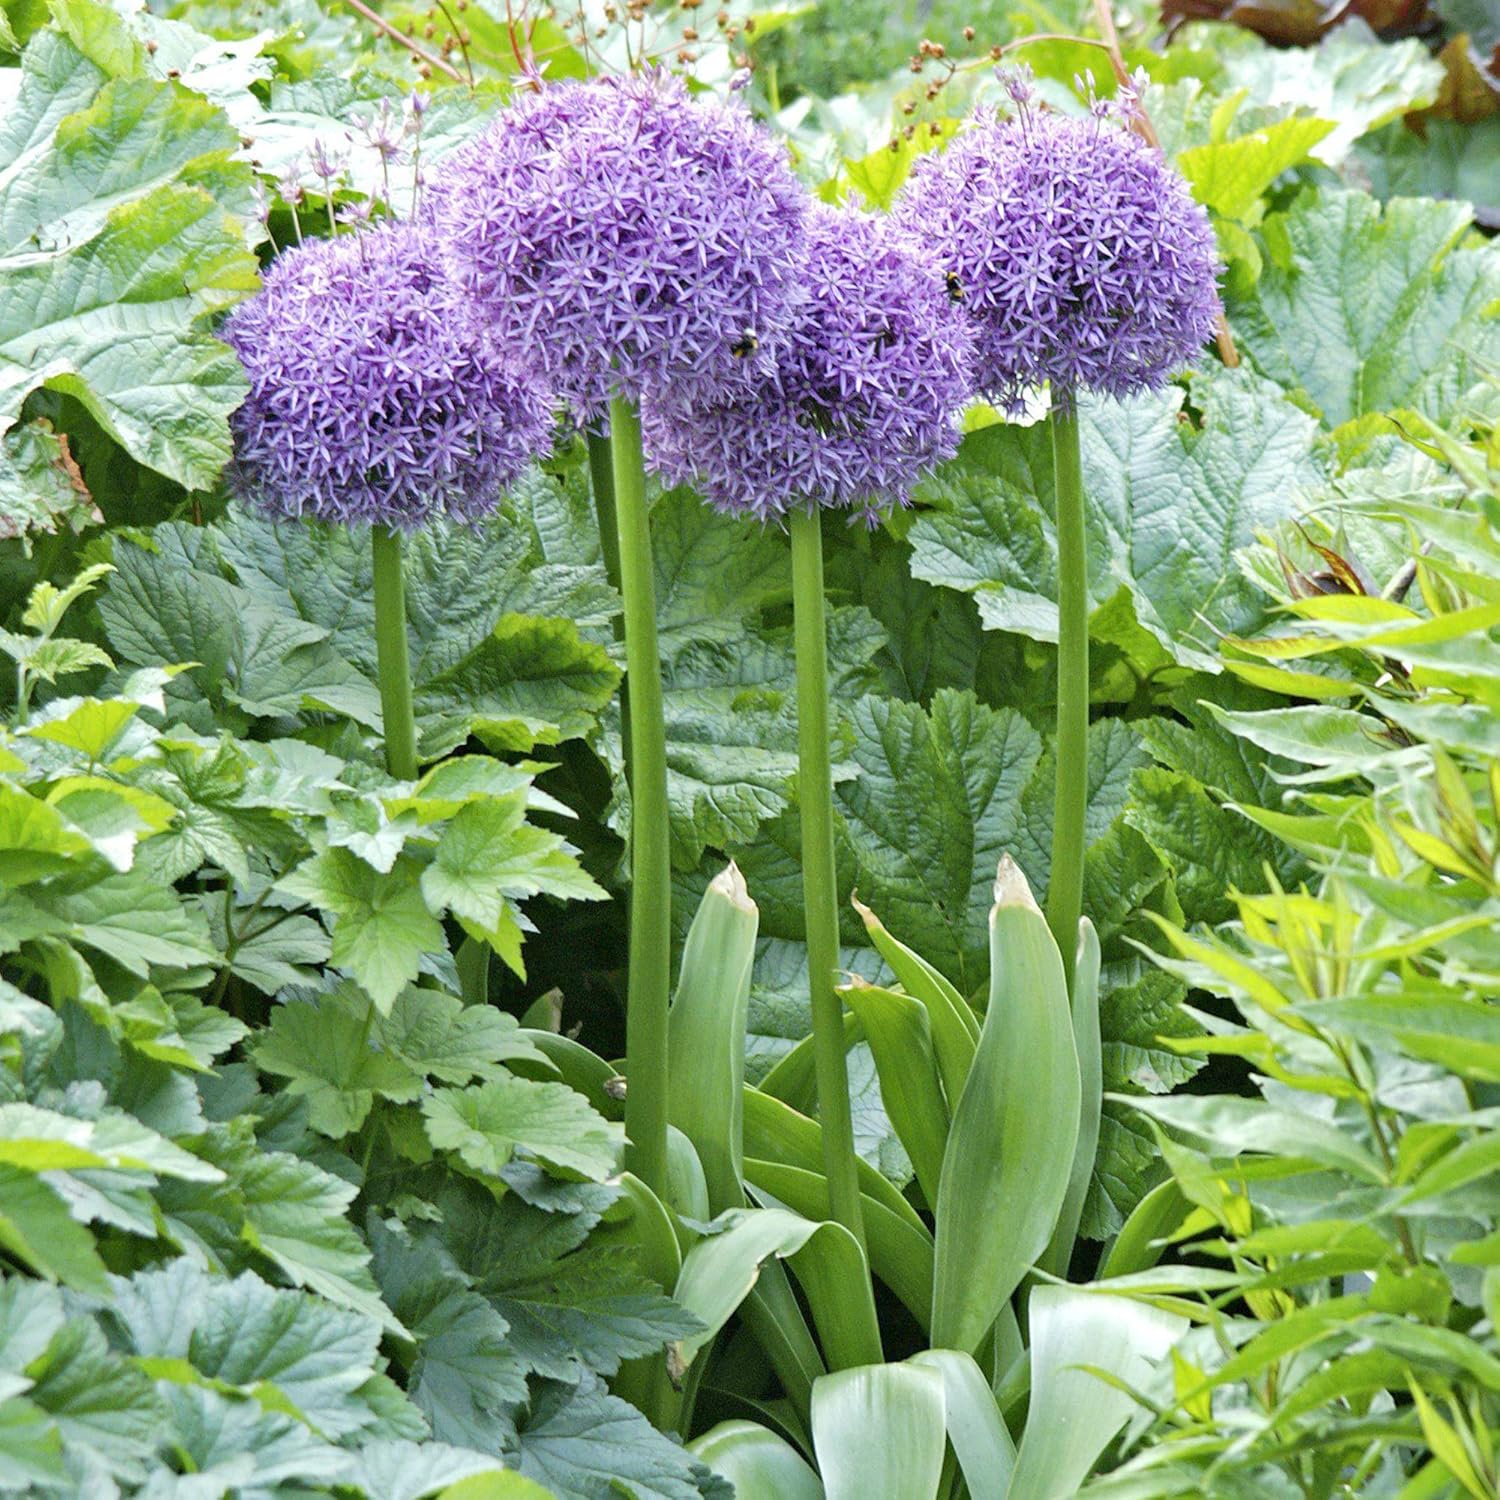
729	883
1011	887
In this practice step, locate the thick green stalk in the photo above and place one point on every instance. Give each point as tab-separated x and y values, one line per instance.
391	655
819	887
1065	884
650	849
602	482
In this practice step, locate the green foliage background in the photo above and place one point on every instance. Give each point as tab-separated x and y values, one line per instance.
251	1069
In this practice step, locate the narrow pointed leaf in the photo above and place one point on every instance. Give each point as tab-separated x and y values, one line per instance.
776	1132
1073	1413
878	1432
981	1441
900	1255
900	1037
759	1464
1010	1148
706	1041
1091	1097
955	1028
720	1270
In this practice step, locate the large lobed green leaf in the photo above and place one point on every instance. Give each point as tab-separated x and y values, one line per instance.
1170	497
121	227
1363	308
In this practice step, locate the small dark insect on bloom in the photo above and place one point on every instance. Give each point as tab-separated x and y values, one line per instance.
372	397
955	287
863	400
630	235
1080	254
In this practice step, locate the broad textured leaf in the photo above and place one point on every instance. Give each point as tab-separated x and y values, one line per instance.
381	927
36	1228
117	245
244	1332
236	1442
530	681
936	801
1168	503
324	1050
581	1443
729	677
31	1451
1448	160
41	487
1180	813
136	136
1350	77
570	1309
488	859
389	1469
459	579
1115	752
101	1404
1230	176
1365	308
591	1309
488	1122
466	1379
439	1037
168	603
137	923
297	1214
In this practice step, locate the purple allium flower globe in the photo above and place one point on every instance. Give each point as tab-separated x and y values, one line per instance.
371	400
863	400
1079	253
628	237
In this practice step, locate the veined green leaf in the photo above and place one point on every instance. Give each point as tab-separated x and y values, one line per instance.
487	1122
1391	295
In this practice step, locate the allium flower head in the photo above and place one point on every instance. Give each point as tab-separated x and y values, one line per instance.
628	236
370	400
1080	254
864	399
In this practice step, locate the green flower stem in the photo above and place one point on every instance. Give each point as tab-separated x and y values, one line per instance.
650	849
819	887
1065	885
602	482
391	655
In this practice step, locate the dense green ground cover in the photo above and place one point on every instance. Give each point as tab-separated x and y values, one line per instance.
309	1151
